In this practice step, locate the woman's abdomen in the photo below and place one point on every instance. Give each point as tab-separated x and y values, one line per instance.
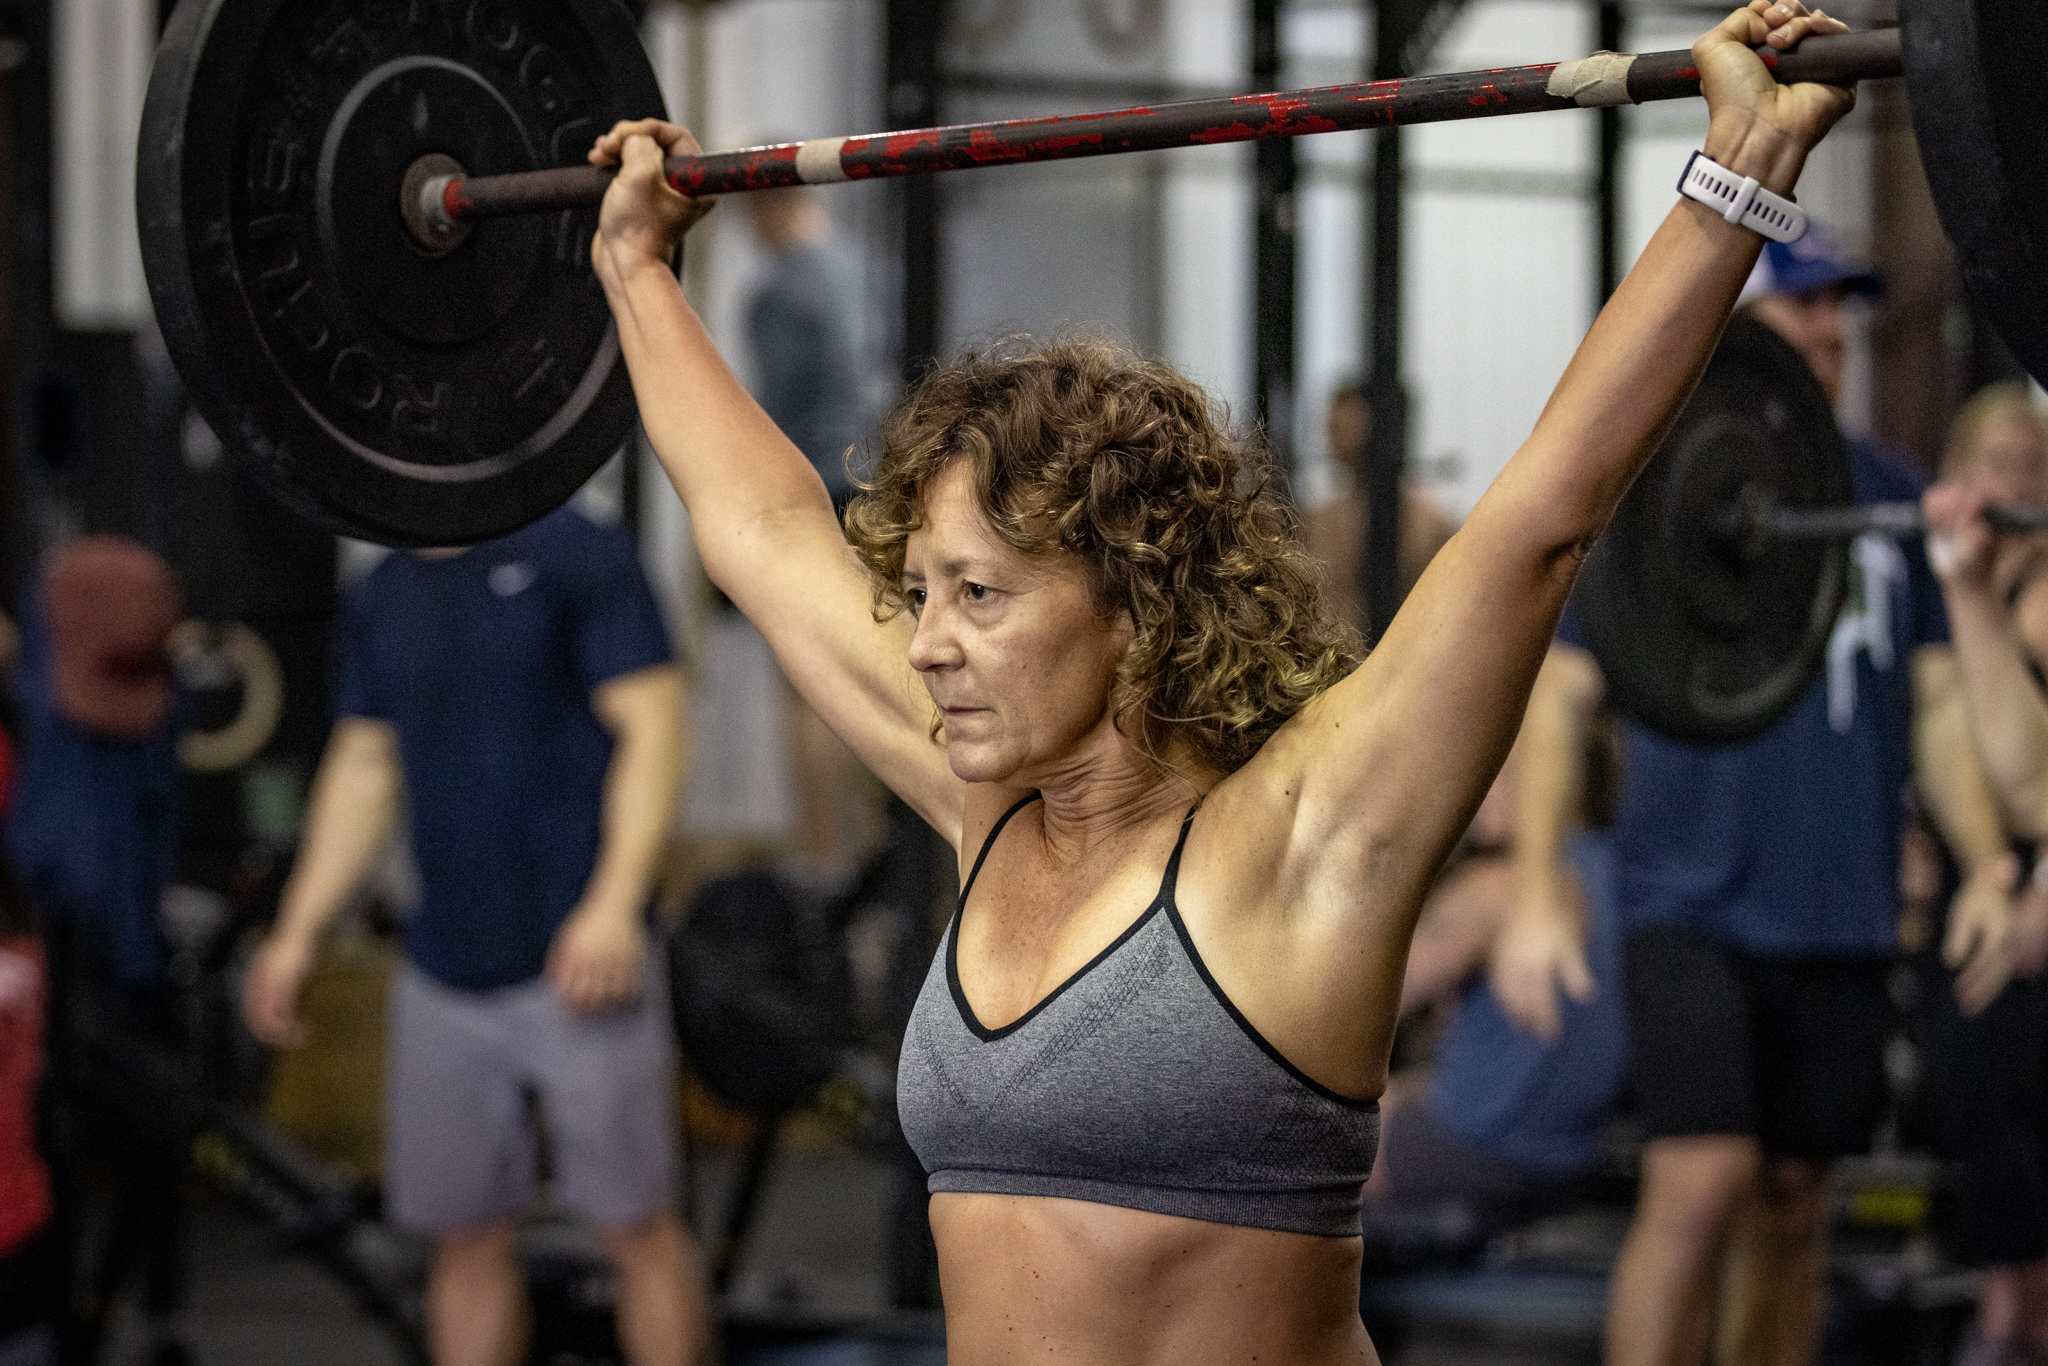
1029	1278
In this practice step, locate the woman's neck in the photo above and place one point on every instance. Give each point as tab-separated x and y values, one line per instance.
1102	797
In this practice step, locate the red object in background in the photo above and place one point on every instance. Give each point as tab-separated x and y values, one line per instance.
24	1180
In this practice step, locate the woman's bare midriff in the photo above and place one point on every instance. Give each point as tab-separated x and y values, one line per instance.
1032	1279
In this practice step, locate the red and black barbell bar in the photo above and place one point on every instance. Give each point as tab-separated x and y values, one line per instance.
450	199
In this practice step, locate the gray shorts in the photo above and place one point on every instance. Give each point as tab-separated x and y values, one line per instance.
458	1148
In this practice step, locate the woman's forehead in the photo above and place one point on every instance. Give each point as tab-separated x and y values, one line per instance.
953	526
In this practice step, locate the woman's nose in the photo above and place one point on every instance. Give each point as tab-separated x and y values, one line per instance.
934	645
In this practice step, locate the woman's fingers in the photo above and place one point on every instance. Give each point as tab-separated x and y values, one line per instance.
641	158
672	138
1795	29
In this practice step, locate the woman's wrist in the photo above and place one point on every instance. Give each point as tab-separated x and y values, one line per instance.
1749	146
623	269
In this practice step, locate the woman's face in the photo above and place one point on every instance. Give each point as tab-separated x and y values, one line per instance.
2010	464
1010	648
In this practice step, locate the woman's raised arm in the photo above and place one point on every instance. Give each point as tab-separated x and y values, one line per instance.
1386	768
761	517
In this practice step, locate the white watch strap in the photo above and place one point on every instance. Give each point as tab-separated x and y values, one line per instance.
1741	200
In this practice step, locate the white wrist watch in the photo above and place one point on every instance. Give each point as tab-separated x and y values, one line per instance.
1740	200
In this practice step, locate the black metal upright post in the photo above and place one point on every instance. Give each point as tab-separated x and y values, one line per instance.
1607	182
1273	235
912	38
1387	445
911	96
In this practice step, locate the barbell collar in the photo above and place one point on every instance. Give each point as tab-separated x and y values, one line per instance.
1839	59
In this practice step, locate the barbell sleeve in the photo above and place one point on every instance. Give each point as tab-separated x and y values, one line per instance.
1606	79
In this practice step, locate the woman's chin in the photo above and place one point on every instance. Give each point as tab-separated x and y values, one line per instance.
978	763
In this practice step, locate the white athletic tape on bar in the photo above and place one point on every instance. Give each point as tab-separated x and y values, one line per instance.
817	162
1601	79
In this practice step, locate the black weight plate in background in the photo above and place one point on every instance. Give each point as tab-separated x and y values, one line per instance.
1980	115
393	395
761	991
1701	638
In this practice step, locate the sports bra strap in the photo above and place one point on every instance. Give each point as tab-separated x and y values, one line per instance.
1167	883
990	843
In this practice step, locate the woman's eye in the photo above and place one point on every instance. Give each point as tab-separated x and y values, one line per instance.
915	597
976	592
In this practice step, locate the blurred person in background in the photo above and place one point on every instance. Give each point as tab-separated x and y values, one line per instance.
803	329
518	700
1338	530
94	825
1509	1118
1759	889
1987	1073
804	333
93	828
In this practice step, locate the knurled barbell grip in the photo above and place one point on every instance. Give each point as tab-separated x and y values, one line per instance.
1838	59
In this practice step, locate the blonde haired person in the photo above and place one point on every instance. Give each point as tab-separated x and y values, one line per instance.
1076	634
1988	1073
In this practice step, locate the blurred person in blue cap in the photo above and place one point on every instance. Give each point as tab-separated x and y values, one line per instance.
1758	888
1801	289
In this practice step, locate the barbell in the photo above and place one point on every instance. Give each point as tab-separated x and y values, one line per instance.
1711	598
366	226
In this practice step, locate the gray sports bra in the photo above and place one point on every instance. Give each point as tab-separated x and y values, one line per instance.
1135	1083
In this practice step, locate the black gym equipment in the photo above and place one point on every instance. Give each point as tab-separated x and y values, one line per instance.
762	991
403	395
1704	633
1974	74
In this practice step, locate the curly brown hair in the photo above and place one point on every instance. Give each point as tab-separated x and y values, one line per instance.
1078	445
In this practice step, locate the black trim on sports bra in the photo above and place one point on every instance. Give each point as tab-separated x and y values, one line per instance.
989	844
982	1031
960	1001
1187	944
1164	901
1230	1008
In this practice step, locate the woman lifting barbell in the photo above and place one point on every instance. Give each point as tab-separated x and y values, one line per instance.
1194	837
